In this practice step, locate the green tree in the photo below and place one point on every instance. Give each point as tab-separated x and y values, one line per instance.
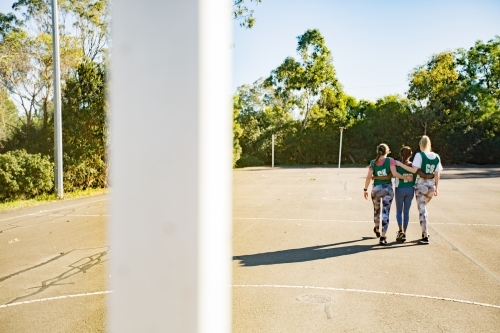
8	115
237	131
305	79
435	89
243	14
26	72
85	133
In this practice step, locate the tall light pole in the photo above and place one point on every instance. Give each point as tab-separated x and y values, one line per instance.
340	146
272	152
58	172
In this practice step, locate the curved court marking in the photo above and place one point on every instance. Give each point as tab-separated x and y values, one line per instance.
54	298
354	221
365	291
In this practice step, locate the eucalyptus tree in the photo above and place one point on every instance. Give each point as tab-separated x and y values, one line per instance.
479	69
26	71
435	89
243	14
8	115
301	81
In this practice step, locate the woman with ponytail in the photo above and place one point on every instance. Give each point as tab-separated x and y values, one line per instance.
404	194
381	168
426	185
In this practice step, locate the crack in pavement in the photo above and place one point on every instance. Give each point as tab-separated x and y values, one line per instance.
75	268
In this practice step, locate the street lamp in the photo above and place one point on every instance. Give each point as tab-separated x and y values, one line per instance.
340	146
58	172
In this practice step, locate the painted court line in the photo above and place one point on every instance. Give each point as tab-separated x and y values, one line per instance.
354	221
73	215
366	291
50	210
55	298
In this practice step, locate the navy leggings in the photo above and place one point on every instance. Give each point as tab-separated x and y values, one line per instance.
404	196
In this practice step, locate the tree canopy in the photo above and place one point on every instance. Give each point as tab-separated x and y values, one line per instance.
454	97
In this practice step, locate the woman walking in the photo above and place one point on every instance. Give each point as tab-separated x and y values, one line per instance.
404	194
430	164
382	190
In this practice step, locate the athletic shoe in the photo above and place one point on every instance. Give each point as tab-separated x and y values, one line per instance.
403	238
377	233
400	236
424	240
427	235
383	241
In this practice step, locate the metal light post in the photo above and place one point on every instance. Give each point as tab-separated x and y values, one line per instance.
272	152
340	146
58	172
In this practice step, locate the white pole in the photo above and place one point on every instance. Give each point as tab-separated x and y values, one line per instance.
340	146
58	161
171	237
272	163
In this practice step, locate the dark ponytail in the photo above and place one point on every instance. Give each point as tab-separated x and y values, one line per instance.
405	154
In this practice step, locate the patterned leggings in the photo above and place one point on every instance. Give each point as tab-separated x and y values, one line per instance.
386	194
424	191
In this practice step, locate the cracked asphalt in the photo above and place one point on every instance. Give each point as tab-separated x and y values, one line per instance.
305	258
48	252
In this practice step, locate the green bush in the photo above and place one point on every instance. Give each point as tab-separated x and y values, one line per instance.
248	161
24	175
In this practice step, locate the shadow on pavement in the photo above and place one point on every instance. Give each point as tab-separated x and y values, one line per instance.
314	252
468	175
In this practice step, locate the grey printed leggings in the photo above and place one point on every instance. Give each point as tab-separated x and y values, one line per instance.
386	194
424	190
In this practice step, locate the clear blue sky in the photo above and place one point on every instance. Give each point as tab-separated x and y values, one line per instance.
374	43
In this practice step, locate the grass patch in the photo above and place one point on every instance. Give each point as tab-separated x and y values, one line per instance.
46	198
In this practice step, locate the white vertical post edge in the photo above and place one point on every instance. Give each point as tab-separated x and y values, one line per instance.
272	152
170	206
58	154
340	146
215	168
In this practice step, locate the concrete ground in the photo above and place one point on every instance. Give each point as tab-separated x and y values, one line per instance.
52	267
306	258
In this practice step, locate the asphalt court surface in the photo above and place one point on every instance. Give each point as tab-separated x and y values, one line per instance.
52	267
306	258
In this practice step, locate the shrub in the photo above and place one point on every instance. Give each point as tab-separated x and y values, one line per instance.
24	175
248	161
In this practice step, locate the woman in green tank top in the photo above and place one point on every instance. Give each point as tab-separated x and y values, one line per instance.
380	170
404	195
428	165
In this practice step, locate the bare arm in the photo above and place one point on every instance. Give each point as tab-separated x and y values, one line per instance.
413	169
367	182
400	176
408	168
423	175
388	177
436	182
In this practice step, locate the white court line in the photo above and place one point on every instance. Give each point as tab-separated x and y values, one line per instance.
366	291
49	210
316	186
77	215
54	298
353	221
276	286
